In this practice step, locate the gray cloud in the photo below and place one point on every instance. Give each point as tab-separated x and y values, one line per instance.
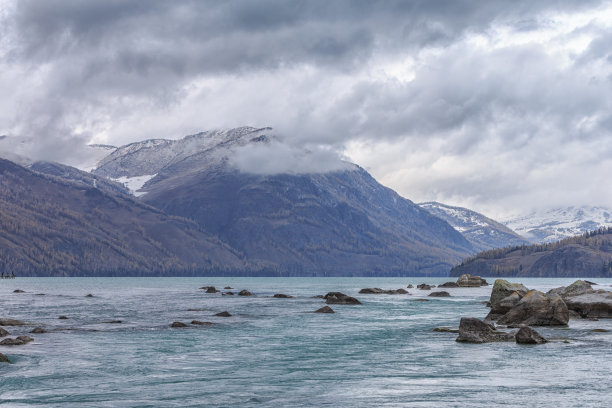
481	125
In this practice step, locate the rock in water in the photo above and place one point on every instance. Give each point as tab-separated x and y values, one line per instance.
18	291
467	281
3	332
11	322
338	298
449	285
441	293
199	323
325	309
4	359
592	305
537	309
577	288
244	292
21	340
378	291
63	317
38	330
178	324
472	330
424	286
211	289
526	335
224	314
502	289
282	296
507	303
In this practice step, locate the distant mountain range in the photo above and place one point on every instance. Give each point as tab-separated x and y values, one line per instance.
587	255
556	224
483	232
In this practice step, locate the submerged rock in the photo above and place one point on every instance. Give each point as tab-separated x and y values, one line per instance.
20	340
244	292
178	324
468	281
228	294
472	330
527	335
228	287
3	333
282	296
113	321
199	323
12	322
223	314
339	298
441	293
378	291
89	295
324	309
18	291
4	359
424	286
449	285
410	286
63	317
210	289
444	329
420	300
38	330
537	309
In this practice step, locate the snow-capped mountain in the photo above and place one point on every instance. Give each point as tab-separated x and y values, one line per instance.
483	232
556	224
340	222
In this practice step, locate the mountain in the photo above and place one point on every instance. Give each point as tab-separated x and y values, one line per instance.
553	225
484	233
587	255
337	223
55	227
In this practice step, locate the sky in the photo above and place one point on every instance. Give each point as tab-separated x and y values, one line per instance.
502	107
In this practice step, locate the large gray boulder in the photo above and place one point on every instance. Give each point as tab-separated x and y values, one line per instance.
502	289
466	280
527	335
472	330
537	309
577	288
597	304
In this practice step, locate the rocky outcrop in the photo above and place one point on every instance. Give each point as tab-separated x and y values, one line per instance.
592	305
244	292
503	306
537	309
468	281
223	314
20	340
527	335
178	324
378	291
11	322
577	288
339	298
282	296
441	293
502	289
449	285
424	286
325	309
209	289
472	330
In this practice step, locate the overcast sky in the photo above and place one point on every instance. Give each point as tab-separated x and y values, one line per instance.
500	106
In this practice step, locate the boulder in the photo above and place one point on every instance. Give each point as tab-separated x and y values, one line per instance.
420	300
507	303
282	296
577	288
230	293
441	293
444	329
502	289
338	298
211	289
449	285
537	309
18	291
410	286
3	333
89	295
11	322
63	317
228	287
424	286
244	292
472	330
592	305
21	340
223	314
199	323
4	359
178	324
113	322
325	309
377	291
38	330
527	335
468	281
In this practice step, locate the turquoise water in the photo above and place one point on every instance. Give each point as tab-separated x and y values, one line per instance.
272	352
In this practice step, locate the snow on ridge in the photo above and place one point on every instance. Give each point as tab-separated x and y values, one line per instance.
135	183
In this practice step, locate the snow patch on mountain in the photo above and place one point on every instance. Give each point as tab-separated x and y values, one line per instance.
559	223
134	184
